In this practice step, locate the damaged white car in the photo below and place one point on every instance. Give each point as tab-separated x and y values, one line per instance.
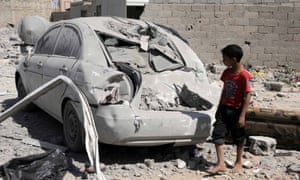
143	82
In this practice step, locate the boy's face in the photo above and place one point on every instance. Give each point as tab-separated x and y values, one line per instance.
229	62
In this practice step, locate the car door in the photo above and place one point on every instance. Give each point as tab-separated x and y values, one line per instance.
66	54
34	65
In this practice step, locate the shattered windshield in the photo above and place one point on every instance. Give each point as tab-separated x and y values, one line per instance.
144	47
149	55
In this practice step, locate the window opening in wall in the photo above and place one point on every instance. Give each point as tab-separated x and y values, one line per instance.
135	11
83	13
98	10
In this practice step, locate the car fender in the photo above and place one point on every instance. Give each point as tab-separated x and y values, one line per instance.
20	73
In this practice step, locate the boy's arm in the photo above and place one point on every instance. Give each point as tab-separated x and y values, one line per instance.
220	102
244	109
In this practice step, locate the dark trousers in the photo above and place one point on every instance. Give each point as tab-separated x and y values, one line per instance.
227	122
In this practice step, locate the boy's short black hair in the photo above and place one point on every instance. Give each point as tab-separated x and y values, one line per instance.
232	51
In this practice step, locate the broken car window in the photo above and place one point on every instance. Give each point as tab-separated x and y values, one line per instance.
47	42
160	55
69	43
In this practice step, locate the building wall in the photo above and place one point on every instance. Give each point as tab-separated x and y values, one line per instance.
12	11
65	4
99	8
267	30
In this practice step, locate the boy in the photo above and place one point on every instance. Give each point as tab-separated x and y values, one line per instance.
234	102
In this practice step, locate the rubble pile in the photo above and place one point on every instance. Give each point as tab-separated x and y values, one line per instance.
192	164
269	85
9	45
284	75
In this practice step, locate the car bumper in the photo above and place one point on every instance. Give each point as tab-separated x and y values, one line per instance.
123	125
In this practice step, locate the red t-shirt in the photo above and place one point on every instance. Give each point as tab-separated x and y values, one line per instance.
235	87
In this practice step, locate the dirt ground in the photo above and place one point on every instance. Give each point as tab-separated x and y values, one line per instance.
164	162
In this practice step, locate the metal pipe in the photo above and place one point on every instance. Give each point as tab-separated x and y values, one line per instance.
91	136
30	97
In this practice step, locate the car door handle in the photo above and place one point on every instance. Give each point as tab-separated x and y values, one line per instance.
40	64
63	68
25	64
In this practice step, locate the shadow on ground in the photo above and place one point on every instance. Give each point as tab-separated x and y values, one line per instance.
43	127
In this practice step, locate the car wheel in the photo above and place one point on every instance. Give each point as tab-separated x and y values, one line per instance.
22	93
72	128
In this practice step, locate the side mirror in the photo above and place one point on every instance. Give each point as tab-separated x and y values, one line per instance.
29	50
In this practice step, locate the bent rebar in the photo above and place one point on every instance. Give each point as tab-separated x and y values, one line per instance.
91	136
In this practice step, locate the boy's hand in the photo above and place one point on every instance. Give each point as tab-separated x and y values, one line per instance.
218	112
241	122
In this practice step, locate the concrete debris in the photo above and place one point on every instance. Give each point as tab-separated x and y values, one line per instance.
215	68
149	163
172	90
248	155
9	45
280	74
274	86
260	145
247	164
293	168
192	99
229	163
180	163
280	152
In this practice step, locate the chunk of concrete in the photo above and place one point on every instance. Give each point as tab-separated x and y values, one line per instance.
261	145
273	86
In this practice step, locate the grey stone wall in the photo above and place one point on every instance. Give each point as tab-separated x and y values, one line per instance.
267	30
12	11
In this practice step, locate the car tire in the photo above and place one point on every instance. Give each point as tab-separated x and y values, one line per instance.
72	128
22	93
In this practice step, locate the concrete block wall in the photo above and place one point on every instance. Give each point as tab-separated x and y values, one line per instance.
12	11
267	30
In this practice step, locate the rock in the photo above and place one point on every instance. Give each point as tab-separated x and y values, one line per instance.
253	93
137	174
149	163
281	95
125	174
248	155
126	167
294	168
164	172
229	163
141	166
273	86
261	145
215	68
281	152
180	163
248	164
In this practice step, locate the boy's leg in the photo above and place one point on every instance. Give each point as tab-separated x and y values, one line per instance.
219	133
238	163
220	167
239	139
